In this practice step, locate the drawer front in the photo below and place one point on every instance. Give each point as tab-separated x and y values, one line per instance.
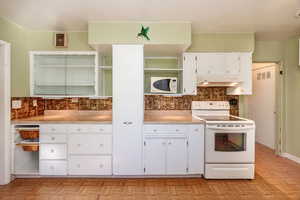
101	128
90	165
53	151
53	138
165	129
79	128
53	128
54	167
90	144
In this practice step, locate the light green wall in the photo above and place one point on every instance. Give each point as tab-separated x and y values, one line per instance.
268	51
126	32
222	42
16	36
292	97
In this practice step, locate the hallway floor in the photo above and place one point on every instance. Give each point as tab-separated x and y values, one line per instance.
276	178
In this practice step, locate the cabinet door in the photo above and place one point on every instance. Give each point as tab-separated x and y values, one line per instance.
155	156
189	74
128	111
196	149
232	64
210	66
177	156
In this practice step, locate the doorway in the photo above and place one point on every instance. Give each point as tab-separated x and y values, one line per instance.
262	104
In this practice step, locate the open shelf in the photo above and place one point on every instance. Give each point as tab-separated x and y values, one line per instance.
162	69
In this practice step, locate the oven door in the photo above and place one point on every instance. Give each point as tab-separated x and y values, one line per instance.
229	145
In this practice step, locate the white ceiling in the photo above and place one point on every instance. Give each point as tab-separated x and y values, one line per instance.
269	18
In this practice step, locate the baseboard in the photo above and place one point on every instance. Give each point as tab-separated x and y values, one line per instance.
291	157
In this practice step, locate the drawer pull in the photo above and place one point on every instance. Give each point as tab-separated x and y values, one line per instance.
169	143
52	138
53	129
52	167
177	130
101	166
79	129
101	145
101	129
78	165
52	150
196	129
163	143
78	145
154	130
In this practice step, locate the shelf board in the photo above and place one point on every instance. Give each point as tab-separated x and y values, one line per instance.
163	57
105	67
162	69
67	66
65	85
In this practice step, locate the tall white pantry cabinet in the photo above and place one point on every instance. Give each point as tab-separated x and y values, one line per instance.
128	109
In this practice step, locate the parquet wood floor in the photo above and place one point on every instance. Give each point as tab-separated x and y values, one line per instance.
276	178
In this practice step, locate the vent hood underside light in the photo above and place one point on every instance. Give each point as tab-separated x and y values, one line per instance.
218	84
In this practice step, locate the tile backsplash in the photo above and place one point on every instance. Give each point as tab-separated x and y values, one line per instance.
152	102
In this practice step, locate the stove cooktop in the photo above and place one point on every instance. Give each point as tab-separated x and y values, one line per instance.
221	118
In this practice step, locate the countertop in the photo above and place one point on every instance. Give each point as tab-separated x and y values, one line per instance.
105	117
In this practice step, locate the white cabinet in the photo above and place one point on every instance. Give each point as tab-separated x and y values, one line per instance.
244	87
75	149
196	149
68	73
89	144
165	155
177	156
189	74
155	156
173	149
90	165
128	109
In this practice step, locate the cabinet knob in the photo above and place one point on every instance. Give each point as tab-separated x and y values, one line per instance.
53	129
196	129
177	130
129	122
154	130
101	166
101	145
52	138
78	165
101	129
52	150
79	129
52	167
169	143
163	143
78	145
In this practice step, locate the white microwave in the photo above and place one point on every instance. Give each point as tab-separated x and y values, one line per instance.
163	84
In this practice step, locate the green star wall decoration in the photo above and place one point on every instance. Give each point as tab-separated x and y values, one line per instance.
144	33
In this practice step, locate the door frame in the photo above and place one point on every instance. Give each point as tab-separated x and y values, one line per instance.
5	139
279	115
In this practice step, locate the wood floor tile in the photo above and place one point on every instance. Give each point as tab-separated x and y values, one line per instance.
276	179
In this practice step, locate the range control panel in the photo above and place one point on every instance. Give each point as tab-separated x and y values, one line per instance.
210	105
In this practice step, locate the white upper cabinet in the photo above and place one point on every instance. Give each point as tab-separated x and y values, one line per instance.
218	69
63	73
245	86
189	74
128	109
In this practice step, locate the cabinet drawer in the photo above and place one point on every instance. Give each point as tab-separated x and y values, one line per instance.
90	144
101	129
53	128
53	167
165	128
79	128
53	151
53	138
90	165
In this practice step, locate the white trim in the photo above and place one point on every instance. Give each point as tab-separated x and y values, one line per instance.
291	157
5	139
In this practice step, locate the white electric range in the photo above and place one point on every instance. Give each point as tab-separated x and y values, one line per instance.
229	141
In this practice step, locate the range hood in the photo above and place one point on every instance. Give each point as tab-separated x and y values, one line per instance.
218	84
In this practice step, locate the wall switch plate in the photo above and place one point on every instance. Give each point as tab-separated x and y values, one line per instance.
16	104
34	103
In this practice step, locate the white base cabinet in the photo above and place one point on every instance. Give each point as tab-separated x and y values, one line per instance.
173	149
74	149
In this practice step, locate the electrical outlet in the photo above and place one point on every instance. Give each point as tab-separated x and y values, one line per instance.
34	102
16	104
74	100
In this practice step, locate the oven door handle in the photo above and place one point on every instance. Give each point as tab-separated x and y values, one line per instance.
230	128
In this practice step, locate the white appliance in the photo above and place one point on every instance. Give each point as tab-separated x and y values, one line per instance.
229	141
128	109
5	144
164	84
